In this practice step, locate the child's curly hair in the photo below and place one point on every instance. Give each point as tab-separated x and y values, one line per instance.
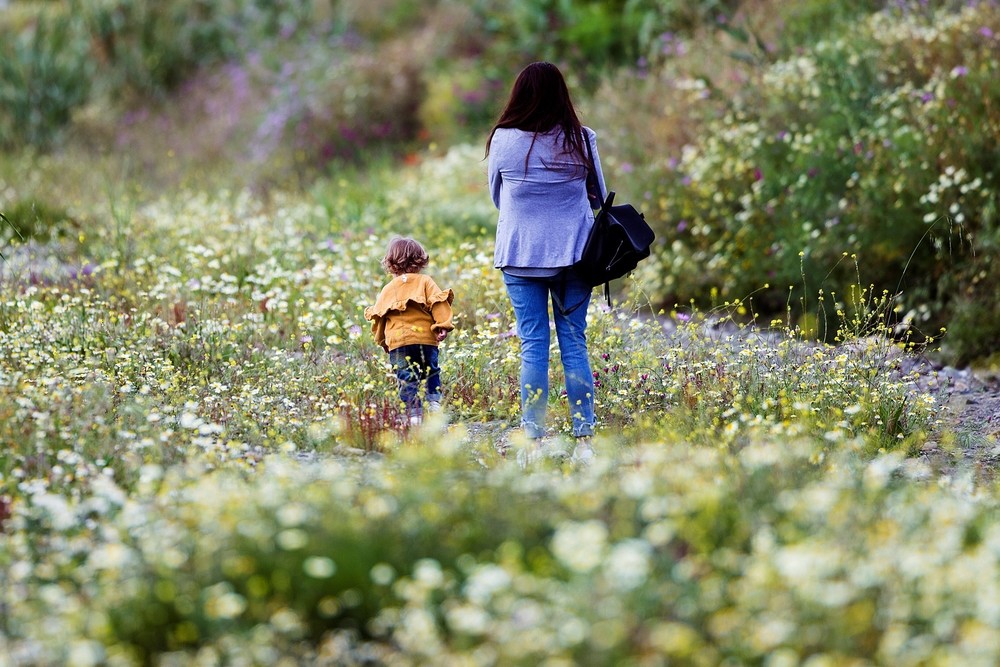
404	255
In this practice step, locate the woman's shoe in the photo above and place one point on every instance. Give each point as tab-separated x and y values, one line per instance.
583	452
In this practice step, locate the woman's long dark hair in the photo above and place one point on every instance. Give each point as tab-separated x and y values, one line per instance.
539	101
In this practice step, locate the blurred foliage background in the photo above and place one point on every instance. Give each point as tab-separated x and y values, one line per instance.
781	150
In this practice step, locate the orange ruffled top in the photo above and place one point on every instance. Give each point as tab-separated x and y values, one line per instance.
409	311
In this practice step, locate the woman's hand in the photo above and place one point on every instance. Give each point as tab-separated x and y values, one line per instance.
441	334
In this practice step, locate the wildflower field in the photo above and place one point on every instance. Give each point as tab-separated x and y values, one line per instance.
201	462
202	456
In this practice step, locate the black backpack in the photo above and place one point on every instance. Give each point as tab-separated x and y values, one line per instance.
618	241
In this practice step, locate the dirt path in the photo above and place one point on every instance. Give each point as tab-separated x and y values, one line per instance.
971	403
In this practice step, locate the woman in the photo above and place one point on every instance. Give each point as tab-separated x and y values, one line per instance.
538	175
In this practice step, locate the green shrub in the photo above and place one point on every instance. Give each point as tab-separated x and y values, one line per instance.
806	22
974	327
878	146
148	46
341	110
592	35
44	76
382	20
457	100
336	555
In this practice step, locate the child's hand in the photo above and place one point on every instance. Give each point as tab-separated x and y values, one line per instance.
385	347
441	334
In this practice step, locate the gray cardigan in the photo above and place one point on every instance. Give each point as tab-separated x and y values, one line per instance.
544	211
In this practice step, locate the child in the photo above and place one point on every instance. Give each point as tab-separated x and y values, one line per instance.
410	317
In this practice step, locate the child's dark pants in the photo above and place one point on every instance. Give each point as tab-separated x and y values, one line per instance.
416	365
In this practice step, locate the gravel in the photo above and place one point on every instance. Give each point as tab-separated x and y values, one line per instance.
970	439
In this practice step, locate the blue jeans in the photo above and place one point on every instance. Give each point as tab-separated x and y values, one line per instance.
416	365
530	298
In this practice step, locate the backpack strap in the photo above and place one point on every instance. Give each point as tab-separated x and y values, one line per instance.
559	295
593	184
605	203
